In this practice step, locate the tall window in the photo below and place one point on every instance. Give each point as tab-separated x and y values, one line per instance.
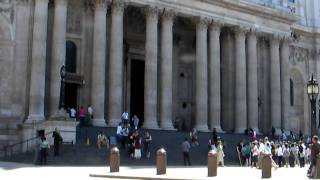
291	93
71	57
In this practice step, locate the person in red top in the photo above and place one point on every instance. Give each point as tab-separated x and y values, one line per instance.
82	115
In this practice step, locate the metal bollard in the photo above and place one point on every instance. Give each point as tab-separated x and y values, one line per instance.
114	159
266	166
161	161
212	163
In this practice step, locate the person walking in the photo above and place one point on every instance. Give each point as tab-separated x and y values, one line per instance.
146	145
135	121
57	140
315	149
186	150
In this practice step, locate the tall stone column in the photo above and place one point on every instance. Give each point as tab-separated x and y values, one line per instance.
58	53
285	82
201	75
39	47
166	70
116	63
240	81
214	72
98	62
275	86
151	61
252	78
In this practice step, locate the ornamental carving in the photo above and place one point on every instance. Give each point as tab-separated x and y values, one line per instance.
151	11
6	20
118	6
74	17
202	22
299	54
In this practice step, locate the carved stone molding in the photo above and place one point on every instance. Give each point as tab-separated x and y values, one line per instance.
299	54
74	17
6	21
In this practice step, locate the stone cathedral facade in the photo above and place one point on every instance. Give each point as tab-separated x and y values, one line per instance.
224	64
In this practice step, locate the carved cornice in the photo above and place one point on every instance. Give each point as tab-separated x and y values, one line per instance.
118	6
151	11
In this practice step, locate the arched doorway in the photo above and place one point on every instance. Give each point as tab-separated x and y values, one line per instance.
71	89
296	120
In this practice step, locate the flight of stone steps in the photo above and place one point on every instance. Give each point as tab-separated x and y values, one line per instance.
83	154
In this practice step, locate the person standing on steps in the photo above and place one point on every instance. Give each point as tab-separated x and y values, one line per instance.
57	140
186	150
44	146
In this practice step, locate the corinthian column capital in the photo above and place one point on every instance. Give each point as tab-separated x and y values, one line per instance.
101	4
202	22
168	14
215	25
61	2
118	6
240	30
151	11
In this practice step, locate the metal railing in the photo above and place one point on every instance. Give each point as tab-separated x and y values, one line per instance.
25	145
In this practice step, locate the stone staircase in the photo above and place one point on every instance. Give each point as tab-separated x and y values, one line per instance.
82	154
9	132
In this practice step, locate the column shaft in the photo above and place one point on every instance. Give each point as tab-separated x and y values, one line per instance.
58	53
240	82
275	87
285	83
166	70
39	44
116	64
201	76
98	63
151	61
214	72
252	77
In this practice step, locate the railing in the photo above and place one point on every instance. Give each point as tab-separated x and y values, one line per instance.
30	144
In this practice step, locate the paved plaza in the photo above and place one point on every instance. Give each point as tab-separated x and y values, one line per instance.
27	171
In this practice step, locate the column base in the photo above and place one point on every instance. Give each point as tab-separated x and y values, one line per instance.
99	122
239	130
202	128
218	129
167	126
33	118
150	125
61	114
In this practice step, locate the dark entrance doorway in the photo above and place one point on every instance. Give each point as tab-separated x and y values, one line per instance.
71	90
137	89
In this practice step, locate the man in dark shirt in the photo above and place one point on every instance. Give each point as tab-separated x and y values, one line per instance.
315	149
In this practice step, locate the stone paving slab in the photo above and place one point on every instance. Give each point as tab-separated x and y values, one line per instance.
27	171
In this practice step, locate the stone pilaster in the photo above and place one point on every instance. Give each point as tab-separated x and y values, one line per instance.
275	86
214	75
285	82
151	60
58	53
252	81
98	62
240	80
166	70
116	63
201	75
37	81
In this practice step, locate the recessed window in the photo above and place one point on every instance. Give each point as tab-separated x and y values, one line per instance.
291	93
